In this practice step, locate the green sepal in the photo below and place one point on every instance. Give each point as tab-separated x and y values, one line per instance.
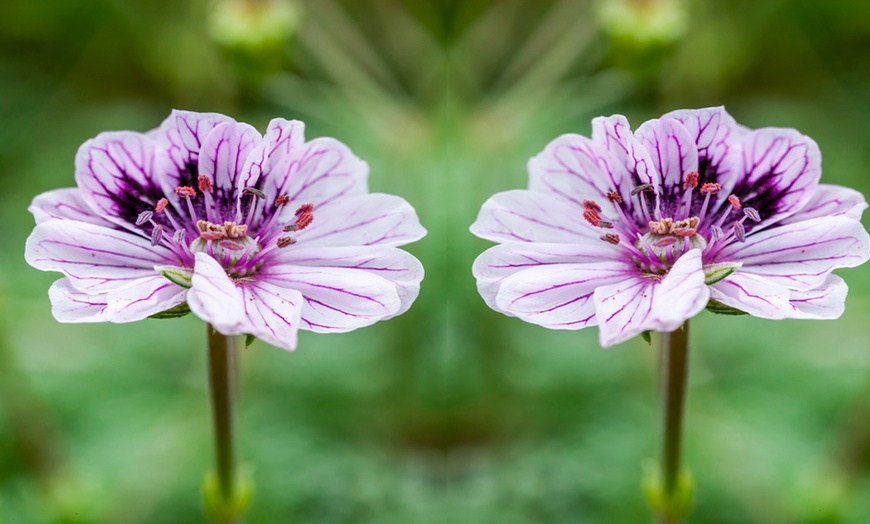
249	339
721	309
174	312
176	274
221	509
647	336
673	507
715	272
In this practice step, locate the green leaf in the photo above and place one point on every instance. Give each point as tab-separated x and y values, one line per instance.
249	339
174	312
647	337
716	272
721	309
176	274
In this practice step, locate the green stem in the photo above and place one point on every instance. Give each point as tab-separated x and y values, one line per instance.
674	376
222	383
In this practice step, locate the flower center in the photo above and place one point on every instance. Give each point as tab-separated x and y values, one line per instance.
229	240
657	247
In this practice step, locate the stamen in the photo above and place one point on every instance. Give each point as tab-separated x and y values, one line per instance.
605	224
254	191
309	208
282	201
161	205
592	217
185	192
683	231
285	241
739	231
735	202
205	184
717	232
639	191
144	216
752	214
232	246
587	204
156	234
691	180
641	188
614	197
613	238
711	188
665	242
179	235
212	235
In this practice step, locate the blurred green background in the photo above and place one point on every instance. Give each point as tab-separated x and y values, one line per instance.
452	412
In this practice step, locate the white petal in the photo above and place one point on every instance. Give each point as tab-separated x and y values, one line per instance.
272	313
753	294
70	305
527	216
365	220
337	299
224	152
831	201
390	263
827	301
96	259
674	153
214	298
559	296
142	298
65	204
501	261
626	309
801	255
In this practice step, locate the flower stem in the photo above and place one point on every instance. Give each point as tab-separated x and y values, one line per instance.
674	361
222	383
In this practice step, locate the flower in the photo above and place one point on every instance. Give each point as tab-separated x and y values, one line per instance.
258	235
640	231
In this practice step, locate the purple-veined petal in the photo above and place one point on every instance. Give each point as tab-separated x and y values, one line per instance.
64	204
390	263
827	301
96	259
831	201
119	175
674	154
752	294
501	261
560	296
527	216
573	168
142	298
364	220
272	313
70	305
182	135
801	255
629	162
781	170
682	294
224	152
337	299
626	309
215	298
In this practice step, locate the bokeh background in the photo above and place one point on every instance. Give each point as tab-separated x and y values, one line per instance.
452	412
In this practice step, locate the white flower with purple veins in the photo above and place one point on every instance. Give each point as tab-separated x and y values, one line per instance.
259	235
640	231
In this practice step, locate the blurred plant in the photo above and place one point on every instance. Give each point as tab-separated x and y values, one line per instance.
643	23
254	25
695	212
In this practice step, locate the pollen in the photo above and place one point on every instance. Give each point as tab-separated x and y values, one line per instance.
185	192
612	238
710	188
161	205
205	184
614	197
591	204
285	241
691	180
282	201
735	202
